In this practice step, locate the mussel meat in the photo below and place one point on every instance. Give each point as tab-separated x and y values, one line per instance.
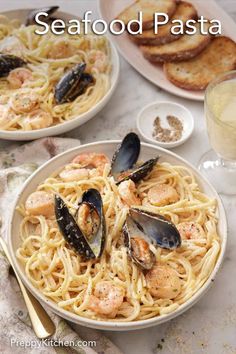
138	244
31	15
143	228
123	165
90	217
8	63
86	231
73	84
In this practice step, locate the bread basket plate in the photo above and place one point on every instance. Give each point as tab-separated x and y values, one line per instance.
109	9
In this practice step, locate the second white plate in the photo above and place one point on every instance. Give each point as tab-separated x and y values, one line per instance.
77	121
109	9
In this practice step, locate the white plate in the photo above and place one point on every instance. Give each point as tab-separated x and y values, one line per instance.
109	9
82	118
147	152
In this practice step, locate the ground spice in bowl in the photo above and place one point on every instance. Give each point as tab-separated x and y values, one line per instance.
172	133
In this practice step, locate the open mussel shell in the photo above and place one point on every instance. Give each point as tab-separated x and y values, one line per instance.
138	245
87	247
73	84
84	82
159	230
142	171
124	160
70	230
30	20
8	63
65	88
93	199
126	155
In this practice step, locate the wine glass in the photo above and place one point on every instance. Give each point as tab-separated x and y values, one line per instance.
219	164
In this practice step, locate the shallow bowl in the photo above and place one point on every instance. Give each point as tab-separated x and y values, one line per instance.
82	118
108	147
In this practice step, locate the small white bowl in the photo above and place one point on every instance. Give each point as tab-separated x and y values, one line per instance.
162	109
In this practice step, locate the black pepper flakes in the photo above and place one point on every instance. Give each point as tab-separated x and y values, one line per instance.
167	135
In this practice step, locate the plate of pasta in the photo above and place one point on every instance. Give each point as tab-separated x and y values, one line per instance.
118	235
49	83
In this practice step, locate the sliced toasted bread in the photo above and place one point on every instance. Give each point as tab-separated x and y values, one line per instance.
185	11
195	74
148	8
187	47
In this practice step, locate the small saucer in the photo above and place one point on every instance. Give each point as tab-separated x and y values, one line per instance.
162	109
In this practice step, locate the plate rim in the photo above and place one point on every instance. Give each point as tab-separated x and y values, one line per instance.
19	135
110	325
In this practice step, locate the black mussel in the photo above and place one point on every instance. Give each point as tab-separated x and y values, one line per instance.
91	219
73	84
142	171
160	230
138	244
126	155
141	229
85	232
123	164
8	63
31	15
85	81
70	230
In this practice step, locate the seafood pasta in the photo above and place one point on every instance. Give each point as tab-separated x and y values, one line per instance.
119	240
47	80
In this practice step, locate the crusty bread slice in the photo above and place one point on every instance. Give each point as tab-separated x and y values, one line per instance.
187	47
148	8
195	74
185	11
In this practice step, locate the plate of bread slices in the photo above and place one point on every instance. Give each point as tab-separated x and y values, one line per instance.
180	62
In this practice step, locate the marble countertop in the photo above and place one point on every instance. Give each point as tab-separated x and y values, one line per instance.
209	327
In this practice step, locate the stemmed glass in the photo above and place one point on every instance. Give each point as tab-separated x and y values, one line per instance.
219	164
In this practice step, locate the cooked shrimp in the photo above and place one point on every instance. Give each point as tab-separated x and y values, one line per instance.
162	194
38	119
40	203
12	45
61	49
88	220
24	102
107	299
98	60
92	160
128	193
17	77
163	282
191	230
77	174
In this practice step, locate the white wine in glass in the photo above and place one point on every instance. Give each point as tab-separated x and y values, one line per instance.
219	164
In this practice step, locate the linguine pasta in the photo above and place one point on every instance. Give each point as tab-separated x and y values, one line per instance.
64	277
30	104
